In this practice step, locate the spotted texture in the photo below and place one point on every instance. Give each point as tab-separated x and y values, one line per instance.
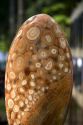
38	74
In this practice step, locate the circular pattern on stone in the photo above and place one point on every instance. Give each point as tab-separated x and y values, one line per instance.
33	33
10	103
38	71
19	63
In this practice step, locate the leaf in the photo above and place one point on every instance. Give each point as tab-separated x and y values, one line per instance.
55	7
62	19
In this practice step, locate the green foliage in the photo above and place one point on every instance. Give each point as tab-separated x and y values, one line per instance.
2	105
60	10
62	19
2	108
56	7
4	45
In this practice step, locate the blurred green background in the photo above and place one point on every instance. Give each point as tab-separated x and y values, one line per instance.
14	12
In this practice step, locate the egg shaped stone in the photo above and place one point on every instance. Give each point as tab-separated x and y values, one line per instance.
38	78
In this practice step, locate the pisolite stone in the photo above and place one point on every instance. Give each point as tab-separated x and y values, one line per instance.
38	78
